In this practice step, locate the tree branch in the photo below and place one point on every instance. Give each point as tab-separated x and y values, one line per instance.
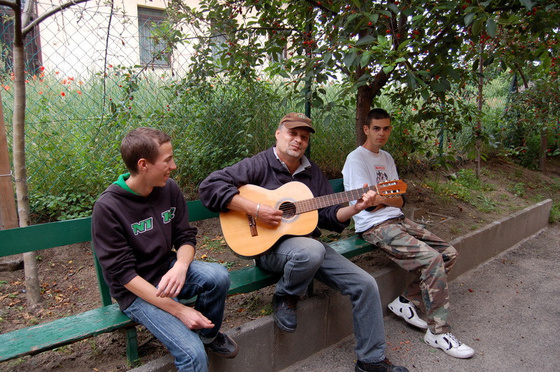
523	77
27	28
10	4
321	6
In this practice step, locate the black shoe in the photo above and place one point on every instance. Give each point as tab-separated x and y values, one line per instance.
285	315
384	366
224	346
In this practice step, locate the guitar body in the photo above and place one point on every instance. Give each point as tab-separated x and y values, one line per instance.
237	230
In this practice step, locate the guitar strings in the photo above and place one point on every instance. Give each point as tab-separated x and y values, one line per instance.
315	203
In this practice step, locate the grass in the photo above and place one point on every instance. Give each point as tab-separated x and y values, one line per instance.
214	248
555	213
485	203
517	189
216	244
256	306
460	185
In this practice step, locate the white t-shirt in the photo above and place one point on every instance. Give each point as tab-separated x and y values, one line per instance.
363	166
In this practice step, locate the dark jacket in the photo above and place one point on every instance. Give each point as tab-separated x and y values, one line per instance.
265	170
134	235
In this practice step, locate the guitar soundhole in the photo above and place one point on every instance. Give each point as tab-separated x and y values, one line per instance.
288	209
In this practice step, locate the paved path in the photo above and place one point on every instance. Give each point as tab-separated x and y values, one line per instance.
507	309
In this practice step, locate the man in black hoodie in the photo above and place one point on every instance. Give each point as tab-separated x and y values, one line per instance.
301	258
145	245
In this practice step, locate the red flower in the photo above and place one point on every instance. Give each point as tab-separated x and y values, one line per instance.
62	94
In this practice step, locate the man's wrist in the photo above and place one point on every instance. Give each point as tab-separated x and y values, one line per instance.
357	209
183	264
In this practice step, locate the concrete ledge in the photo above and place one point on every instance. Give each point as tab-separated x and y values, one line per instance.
326	319
487	242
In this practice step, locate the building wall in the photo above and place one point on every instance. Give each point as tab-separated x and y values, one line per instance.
73	43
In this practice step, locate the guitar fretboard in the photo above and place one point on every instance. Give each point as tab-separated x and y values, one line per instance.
319	202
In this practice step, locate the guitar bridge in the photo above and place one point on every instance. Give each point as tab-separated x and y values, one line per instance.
252	225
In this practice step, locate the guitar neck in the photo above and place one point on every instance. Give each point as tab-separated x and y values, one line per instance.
319	202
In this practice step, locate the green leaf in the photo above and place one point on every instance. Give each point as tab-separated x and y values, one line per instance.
393	7
504	19
469	18
388	69
491	27
351	18
368	39
386	13
411	80
438	87
373	18
382	40
475	65
364	61
528	4
349	59
404	44
477	26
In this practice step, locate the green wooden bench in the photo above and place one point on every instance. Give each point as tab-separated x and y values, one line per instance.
108	317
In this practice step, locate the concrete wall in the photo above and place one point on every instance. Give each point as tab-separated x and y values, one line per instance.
326	319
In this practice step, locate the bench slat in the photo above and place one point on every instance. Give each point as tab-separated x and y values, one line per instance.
45	235
352	246
47	336
198	212
250	279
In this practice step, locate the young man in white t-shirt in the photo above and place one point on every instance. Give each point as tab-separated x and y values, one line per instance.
412	247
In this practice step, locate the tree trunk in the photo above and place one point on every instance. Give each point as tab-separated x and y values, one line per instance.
32	285
544	148
8	214
478	144
364	99
363	106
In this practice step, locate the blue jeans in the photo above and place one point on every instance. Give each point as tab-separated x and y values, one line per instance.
210	283
300	259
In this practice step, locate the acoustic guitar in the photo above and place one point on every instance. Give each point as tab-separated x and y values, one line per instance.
247	237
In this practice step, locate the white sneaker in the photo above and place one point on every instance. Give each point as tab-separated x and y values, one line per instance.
407	311
448	343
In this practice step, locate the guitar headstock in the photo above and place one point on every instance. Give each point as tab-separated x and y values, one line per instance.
391	188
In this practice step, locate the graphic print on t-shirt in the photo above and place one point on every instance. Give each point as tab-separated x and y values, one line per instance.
381	173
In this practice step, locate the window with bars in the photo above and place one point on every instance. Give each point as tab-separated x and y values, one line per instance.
152	53
32	44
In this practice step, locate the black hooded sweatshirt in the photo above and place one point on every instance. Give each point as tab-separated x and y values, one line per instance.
134	235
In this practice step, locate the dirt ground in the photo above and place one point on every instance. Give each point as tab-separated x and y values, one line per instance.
69	284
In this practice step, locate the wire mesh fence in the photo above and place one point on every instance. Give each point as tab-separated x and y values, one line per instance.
93	73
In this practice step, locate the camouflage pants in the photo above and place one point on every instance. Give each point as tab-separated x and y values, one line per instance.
422	253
